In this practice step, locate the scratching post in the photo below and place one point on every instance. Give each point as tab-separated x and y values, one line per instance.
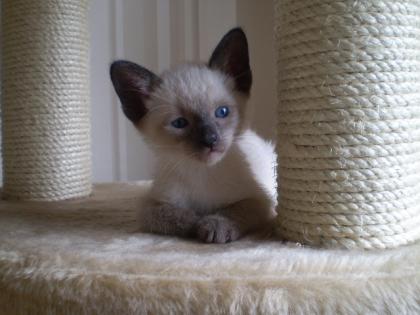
45	98
348	122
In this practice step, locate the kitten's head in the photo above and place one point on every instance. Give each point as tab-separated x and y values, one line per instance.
194	110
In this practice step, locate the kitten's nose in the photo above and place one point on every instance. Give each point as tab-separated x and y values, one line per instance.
209	136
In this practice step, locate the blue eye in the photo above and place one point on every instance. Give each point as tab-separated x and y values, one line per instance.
222	112
180	123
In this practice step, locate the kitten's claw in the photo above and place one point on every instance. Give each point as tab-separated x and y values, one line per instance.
217	229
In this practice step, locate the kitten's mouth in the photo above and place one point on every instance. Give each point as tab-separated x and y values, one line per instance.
211	155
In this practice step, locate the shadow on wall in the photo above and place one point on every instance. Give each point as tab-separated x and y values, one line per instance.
257	19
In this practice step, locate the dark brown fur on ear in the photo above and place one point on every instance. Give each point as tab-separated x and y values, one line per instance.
133	85
231	57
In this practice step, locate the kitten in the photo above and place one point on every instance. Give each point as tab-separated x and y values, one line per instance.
215	177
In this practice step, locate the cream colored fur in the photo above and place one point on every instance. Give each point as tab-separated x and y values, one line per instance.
87	257
246	171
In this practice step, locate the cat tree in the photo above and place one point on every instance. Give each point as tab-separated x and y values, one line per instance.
45	95
348	148
348	122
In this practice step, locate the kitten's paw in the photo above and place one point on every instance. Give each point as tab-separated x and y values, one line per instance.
217	229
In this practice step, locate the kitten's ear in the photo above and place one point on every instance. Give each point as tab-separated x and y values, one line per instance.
133	85
232	58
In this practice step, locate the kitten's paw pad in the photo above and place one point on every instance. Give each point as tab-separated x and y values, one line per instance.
217	229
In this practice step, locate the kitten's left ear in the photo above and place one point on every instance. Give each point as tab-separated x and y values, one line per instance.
232	58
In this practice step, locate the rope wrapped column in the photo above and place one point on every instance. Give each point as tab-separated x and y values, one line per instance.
348	122
45	99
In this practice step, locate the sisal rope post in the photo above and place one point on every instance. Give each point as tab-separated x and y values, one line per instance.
45	99
348	122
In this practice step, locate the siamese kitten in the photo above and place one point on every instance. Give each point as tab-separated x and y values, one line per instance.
215	177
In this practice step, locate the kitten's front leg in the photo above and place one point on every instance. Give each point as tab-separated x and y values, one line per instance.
163	218
236	220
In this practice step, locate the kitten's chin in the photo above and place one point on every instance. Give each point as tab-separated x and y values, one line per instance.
211	157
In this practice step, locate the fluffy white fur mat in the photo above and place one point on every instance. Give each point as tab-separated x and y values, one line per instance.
86	257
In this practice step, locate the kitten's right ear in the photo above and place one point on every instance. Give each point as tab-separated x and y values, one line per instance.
133	84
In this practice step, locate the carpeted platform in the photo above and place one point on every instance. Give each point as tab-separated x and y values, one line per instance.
87	257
